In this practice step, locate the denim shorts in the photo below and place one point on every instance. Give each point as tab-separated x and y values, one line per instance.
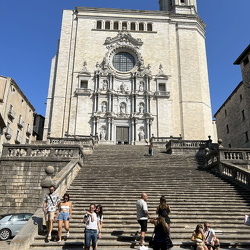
64	216
90	235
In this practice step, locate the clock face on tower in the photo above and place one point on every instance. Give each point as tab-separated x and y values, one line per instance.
123	61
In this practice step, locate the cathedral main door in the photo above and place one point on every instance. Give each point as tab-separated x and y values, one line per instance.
122	135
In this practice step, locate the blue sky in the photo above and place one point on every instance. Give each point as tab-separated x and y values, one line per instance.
30	29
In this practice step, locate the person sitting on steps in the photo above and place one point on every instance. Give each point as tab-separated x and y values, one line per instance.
199	238
212	242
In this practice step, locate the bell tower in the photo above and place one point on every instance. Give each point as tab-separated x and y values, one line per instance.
179	6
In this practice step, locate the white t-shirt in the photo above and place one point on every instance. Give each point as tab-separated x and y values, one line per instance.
209	235
92	224
141	206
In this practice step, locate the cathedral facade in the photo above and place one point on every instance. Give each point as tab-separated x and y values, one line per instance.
126	75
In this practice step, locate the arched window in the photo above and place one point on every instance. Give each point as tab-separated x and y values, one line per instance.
141	26
124	26
149	27
132	26
99	25
116	25
107	25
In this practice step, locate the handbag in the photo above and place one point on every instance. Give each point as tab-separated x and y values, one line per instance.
247	220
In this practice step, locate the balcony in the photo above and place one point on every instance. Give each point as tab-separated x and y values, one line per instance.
162	94
83	91
20	123
28	131
11	114
18	139
8	133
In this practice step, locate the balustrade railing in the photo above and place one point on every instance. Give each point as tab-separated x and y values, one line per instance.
45	151
84	141
177	146
231	164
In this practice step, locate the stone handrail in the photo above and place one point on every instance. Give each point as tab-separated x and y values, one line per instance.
45	151
30	230
85	141
229	163
163	139
185	146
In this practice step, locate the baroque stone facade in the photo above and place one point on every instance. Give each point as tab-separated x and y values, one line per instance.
127	74
233	116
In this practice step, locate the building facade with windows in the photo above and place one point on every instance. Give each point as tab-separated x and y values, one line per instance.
126	75
233	117
16	114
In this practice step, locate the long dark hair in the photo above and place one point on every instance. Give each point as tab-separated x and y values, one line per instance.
100	213
163	204
162	222
197	230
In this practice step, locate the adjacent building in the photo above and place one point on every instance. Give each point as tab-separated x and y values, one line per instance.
16	114
127	74
233	117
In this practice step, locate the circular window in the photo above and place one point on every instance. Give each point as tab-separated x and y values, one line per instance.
123	61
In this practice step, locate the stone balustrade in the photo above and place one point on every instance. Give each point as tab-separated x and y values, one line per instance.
174	146
161	141
231	164
45	151
87	142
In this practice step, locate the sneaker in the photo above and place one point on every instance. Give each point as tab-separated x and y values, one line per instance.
67	234
49	236
59	241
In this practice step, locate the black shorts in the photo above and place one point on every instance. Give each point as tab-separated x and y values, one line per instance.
144	225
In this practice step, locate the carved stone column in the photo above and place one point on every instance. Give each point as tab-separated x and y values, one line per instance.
147	129
132	131
135	123
97	125
109	102
109	129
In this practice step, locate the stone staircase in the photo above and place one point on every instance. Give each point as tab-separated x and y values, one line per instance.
115	176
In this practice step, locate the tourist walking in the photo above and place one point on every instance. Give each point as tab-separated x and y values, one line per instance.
150	149
50	204
199	238
164	209
212	242
65	213
92	230
99	213
162	239
142	216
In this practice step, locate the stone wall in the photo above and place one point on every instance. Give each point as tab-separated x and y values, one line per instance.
20	182
22	170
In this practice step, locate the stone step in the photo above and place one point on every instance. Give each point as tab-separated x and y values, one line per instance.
115	176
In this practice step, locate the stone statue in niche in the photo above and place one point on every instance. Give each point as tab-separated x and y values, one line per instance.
104	107
122	87
123	108
141	108
141	135
103	135
141	86
105	85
